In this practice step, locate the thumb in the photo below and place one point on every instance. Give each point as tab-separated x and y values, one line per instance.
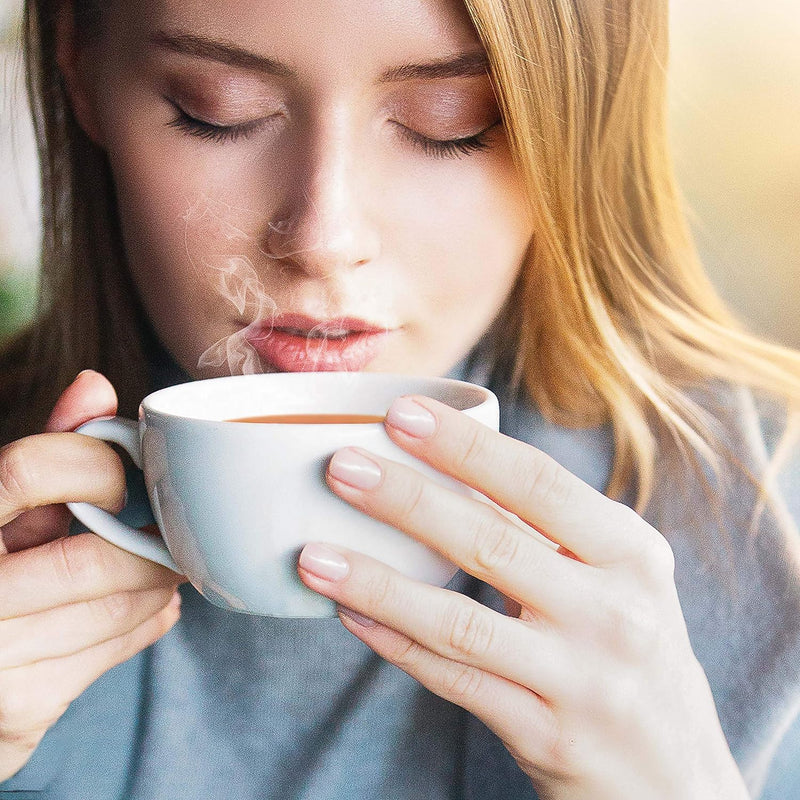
90	395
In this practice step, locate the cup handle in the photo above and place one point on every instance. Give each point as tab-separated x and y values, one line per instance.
125	433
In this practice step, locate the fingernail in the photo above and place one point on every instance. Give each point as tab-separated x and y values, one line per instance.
355	469
410	417
324	562
175	600
82	372
359	619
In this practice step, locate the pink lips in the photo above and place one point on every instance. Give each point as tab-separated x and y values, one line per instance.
298	343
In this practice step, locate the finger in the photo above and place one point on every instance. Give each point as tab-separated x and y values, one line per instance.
82	669
472	534
56	468
522	720
72	570
38	694
518	477
447	623
69	629
89	396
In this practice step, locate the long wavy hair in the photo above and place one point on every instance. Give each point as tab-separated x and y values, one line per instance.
613	319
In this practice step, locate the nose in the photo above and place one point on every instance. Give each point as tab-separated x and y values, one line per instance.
323	223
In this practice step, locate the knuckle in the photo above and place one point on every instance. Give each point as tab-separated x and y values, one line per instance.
495	543
547	482
651	554
468	631
659	558
629	523
78	560
633	629
413	500
473	447
116	607
626	517
462	683
15	475
407	656
380	589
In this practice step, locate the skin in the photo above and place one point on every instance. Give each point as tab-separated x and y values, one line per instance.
374	227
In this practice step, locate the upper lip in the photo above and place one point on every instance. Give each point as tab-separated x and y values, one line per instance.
304	323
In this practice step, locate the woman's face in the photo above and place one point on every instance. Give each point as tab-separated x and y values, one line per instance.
337	168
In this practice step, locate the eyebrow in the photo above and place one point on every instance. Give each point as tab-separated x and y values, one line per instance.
462	65
217	50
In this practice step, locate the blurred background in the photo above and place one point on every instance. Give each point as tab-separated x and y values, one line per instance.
735	105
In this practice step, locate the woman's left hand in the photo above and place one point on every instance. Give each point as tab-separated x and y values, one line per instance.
592	683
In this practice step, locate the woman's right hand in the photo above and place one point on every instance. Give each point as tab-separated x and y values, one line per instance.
70	607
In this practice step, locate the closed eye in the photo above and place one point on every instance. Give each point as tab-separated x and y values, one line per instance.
449	148
212	132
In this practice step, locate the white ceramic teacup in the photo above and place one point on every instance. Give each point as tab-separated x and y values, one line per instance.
236	502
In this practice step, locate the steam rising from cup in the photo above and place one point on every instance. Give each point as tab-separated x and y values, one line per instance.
237	282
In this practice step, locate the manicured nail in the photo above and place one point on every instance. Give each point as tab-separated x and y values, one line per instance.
175	600
324	562
359	619
411	417
355	469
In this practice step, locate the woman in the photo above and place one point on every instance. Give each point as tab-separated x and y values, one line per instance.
480	189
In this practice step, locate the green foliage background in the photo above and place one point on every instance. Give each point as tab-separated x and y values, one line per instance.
18	282
17	299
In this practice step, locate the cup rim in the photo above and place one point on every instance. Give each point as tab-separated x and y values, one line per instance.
149	404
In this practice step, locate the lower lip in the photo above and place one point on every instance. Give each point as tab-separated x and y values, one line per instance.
290	353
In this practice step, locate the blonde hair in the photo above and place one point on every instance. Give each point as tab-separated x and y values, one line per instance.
618	321
613	316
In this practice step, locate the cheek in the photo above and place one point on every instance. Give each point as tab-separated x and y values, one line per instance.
178	225
467	231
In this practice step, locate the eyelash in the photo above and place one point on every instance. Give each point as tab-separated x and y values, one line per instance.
433	148
210	132
448	148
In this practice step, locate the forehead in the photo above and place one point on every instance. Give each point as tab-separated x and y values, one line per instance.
322	32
